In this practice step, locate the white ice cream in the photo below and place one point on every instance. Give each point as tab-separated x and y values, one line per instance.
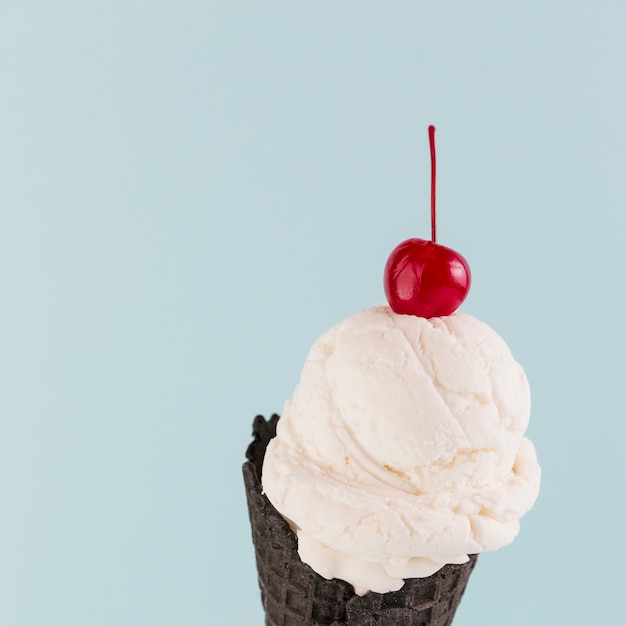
403	448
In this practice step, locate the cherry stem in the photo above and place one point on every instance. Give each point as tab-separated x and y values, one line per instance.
433	184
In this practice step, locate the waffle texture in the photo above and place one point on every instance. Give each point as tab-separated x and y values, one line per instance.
294	595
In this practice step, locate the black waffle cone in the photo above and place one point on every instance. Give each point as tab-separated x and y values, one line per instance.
294	595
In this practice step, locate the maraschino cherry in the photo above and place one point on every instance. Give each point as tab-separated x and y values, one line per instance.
422	277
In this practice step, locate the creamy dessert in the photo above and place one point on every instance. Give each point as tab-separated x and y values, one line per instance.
402	448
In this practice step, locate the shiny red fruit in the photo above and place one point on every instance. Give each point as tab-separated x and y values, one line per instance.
426	279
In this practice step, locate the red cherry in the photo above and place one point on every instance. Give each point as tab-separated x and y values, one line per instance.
426	279
422	277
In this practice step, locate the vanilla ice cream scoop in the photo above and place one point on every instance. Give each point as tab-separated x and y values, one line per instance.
403	448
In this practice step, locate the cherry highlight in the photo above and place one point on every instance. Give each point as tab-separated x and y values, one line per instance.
424	278
433	184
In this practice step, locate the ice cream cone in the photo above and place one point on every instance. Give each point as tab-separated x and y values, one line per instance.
294	595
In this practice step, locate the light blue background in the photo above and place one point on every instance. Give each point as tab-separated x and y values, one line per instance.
191	192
